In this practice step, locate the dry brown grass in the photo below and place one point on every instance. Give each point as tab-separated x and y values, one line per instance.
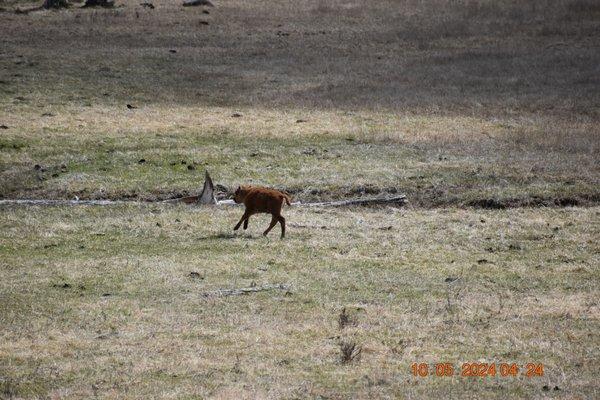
132	323
477	100
481	58
455	103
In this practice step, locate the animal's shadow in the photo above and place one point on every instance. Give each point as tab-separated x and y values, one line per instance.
228	235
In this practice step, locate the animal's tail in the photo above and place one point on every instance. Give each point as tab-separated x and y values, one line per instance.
287	199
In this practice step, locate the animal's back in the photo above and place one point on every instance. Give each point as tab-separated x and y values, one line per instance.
264	200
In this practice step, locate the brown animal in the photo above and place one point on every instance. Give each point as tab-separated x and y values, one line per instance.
261	200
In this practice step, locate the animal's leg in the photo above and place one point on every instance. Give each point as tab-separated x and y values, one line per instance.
282	222
244	217
273	222
246	222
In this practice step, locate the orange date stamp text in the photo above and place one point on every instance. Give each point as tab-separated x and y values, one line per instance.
477	369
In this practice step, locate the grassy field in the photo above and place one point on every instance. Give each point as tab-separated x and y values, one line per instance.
465	105
486	114
100	301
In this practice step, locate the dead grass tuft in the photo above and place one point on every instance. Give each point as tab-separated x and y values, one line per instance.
349	352
344	319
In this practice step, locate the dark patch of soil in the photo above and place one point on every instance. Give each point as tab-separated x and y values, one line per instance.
491	204
536	201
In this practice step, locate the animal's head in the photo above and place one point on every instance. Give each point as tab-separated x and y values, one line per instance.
240	194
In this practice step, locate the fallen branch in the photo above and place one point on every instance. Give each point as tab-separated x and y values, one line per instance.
378	200
399	200
197	200
185	200
207	196
242	291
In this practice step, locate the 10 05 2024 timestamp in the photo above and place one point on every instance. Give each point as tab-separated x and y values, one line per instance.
477	369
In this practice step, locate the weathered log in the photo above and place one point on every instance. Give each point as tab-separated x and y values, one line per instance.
398	200
354	202
184	200
207	196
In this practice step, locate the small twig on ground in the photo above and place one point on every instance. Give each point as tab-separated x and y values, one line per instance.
247	290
